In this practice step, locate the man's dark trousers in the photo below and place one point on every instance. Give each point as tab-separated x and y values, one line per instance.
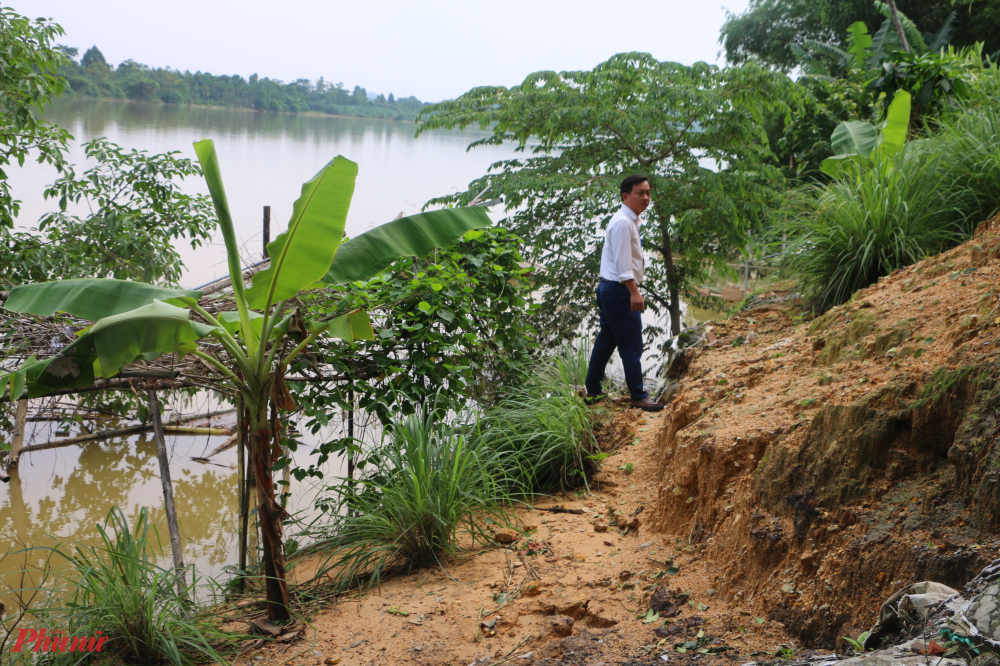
621	327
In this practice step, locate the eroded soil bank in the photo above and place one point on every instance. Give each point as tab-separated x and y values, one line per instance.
804	471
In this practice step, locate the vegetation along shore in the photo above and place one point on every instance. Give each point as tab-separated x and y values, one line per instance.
418	478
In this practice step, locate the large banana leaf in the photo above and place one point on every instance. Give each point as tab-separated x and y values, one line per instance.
939	40
205	150
114	342
302	254
897	123
90	298
16	378
368	254
854	137
884	41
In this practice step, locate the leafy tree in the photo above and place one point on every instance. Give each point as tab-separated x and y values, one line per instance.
768	29
586	130
92	57
455	331
256	343
29	66
93	77
136	215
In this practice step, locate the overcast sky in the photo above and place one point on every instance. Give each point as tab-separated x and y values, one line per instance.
435	49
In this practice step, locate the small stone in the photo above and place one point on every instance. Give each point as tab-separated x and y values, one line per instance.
551	559
625	575
646	545
579	557
807	557
608	543
833	528
788	588
529	655
317	653
330	661
533	588
258	657
600	526
356	643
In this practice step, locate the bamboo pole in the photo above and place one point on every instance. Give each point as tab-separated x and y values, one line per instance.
120	432
17	445
241	484
267	229
168	494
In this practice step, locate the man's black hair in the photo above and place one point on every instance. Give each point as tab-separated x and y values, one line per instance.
630	182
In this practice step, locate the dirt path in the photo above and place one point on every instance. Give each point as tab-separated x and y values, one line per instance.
578	604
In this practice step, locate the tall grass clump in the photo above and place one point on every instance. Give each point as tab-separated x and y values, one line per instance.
872	221
429	484
117	588
969	140
542	429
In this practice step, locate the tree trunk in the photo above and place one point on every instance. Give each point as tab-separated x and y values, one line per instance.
269	513
899	26
673	280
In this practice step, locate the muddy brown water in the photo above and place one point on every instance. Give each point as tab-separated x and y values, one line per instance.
57	497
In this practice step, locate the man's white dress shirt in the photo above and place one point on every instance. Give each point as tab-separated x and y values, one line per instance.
621	258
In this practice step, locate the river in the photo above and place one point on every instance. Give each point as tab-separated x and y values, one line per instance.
62	494
265	158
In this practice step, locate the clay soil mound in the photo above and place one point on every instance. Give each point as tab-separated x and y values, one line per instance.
822	465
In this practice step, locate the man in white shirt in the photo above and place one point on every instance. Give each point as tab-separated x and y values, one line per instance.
619	300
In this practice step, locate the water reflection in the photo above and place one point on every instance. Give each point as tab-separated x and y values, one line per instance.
265	158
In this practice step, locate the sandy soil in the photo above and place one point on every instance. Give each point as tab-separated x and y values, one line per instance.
580	600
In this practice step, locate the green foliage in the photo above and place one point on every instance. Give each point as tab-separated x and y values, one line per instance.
117	588
857	645
28	81
801	141
585	130
769	29
542	428
94	77
453	332
870	222
136	215
256	354
856	142
429	484
967	142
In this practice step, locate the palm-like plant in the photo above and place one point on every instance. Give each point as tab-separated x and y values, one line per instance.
135	320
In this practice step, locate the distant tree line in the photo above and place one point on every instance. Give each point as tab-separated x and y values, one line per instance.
93	76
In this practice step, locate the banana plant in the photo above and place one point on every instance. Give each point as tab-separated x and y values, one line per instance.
260	339
857	141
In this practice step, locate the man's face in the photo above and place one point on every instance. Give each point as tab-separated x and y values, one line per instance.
638	198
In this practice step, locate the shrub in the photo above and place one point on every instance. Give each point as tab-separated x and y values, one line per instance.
542	429
117	588
872	221
970	142
429	484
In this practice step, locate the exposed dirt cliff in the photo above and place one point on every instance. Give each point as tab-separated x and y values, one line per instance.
821	465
